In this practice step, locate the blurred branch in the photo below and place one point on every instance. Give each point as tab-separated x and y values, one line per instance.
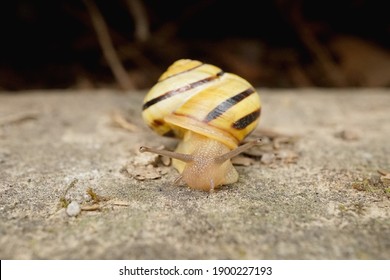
137	10
329	68
324	59
107	47
169	30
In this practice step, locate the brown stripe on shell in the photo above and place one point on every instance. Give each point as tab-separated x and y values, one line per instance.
169	133
246	120
227	104
180	90
185	71
158	122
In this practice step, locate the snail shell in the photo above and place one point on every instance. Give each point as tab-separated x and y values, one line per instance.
210	110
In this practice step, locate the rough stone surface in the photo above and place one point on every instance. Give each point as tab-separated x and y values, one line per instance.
57	147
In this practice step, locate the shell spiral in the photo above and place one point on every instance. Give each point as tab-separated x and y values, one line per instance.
202	98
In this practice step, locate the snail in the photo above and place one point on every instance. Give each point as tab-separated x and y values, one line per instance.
211	112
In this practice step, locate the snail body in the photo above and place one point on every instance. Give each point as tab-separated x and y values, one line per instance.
211	111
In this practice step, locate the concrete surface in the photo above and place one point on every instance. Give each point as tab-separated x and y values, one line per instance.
331	204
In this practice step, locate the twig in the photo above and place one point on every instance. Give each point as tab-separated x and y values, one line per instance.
127	50
169	29
63	201
383	172
332	72
94	207
137	10
18	118
330	69
322	55
119	120
107	46
101	206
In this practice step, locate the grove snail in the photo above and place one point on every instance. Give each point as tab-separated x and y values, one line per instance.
211	111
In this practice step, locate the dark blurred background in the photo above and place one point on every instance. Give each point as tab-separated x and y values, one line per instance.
128	43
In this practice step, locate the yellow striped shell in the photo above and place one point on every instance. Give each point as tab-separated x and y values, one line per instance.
193	100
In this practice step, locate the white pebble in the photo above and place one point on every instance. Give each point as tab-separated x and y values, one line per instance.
73	209
268	158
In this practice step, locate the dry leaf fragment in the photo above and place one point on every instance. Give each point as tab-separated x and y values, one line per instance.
269	133
241	160
287	156
143	166
144	159
282	140
142	173
271	141
385	178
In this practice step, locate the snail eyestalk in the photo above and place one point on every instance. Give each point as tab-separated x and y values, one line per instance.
178	156
237	151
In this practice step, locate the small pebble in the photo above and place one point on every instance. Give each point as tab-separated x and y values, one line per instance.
268	158
73	209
